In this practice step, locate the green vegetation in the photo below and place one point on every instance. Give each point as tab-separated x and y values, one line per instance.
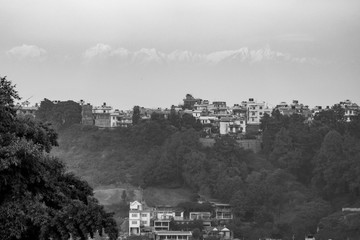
38	199
305	173
155	196
60	115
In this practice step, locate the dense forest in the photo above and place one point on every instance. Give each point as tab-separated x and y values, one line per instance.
306	173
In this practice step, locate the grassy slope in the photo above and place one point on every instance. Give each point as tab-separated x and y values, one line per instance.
97	156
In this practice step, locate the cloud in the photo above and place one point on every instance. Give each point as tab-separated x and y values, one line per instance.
99	51
146	56
24	51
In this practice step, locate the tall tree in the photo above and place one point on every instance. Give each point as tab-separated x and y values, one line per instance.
136	115
38	198
61	115
330	165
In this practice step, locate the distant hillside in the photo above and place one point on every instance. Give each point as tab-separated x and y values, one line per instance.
154	196
304	172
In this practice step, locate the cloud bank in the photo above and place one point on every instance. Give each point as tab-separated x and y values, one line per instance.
153	56
27	52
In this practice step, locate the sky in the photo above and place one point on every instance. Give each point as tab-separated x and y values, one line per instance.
152	53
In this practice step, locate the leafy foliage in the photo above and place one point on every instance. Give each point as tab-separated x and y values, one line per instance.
61	114
38	199
136	115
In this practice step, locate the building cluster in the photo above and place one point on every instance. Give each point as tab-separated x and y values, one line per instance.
24	109
157	222
237	120
104	116
246	116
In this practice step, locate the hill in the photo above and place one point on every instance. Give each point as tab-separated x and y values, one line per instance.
304	172
155	196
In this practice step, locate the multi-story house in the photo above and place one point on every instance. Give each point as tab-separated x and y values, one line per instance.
219	108
223	211
351	109
203	106
197	113
190	101
119	119
225	125
139	218
163	216
294	108
255	111
239	111
232	125
205	217
102	116
210	119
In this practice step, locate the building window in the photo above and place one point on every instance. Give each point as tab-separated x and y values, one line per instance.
143	215
134	215
134	222
144	222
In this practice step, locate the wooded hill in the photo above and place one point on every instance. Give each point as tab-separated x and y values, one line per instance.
305	174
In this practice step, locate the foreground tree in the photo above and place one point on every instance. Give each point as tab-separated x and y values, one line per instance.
38	199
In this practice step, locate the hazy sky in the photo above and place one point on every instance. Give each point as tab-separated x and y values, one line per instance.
153	52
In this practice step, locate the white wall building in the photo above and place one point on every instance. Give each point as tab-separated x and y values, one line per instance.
173	235
138	218
255	111
232	125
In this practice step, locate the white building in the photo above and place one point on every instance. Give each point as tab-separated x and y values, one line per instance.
138	218
255	111
207	119
232	125
196	113
114	119
351	109
102	109
102	116
173	235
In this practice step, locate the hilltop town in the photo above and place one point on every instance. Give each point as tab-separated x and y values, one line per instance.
217	118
